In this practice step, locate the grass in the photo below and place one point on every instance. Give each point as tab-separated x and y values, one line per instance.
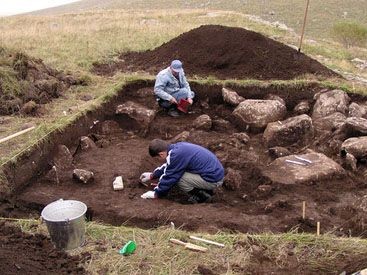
243	253
321	16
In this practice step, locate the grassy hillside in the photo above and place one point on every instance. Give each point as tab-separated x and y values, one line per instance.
322	14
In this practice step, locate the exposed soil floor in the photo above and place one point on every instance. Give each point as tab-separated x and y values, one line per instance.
336	203
22	253
223	52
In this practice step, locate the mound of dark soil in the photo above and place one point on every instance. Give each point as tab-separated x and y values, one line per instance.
26	82
22	253
223	52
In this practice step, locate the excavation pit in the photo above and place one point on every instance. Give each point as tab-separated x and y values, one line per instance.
250	200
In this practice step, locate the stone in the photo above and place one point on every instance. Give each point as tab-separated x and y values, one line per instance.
86	97
83	176
231	97
331	122
63	159
232	179
293	130
183	136
357	146
322	168
355	126
302	108
103	143
356	110
142	115
275	97
263	191
86	143
203	122
29	108
241	137
108	127
277	152
221	125
330	102
258	113
350	162
52	175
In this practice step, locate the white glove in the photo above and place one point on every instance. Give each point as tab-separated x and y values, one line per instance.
145	177
148	195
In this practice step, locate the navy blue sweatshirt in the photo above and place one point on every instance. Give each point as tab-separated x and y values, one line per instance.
187	157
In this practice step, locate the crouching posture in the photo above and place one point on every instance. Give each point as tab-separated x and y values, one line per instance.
195	170
171	86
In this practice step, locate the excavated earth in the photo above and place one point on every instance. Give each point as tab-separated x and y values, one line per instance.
264	197
22	253
223	52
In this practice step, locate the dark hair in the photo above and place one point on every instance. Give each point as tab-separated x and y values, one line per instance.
156	146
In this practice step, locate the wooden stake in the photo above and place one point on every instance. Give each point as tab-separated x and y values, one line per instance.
16	134
190	246
318	229
303	210
207	241
303	26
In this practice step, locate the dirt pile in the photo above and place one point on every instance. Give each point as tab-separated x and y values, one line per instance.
223	52
22	253
26	82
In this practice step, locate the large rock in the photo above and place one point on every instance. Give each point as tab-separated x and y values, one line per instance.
231	97
137	112
302	108
355	126
331	122
293	130
232	179
108	127
330	102
63	159
83	176
356	110
285	172
357	146
203	122
258	113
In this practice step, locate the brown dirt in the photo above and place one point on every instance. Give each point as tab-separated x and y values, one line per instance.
334	202
26	83
22	253
223	52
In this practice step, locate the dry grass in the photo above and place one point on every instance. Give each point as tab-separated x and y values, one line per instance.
243	254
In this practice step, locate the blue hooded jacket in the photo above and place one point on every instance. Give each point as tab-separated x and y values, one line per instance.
187	157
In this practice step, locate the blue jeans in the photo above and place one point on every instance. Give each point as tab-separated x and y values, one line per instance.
182	93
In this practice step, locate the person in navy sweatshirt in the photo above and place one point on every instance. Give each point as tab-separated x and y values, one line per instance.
195	170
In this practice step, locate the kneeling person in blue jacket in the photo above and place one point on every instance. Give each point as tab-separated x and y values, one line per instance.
195	170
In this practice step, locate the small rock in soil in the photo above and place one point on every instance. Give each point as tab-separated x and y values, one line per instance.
276	152
242	137
231	97
275	97
181	137
137	112
263	190
83	176
86	143
108	127
86	97
203	122
232	179
302	108
356	146
221	125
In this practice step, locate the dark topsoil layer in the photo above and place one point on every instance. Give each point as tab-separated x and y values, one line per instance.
27	82
223	52
22	253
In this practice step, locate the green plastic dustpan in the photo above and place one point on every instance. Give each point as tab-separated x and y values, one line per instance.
128	248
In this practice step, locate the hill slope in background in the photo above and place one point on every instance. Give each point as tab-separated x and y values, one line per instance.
322	14
224	52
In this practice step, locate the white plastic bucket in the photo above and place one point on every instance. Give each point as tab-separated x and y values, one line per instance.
65	220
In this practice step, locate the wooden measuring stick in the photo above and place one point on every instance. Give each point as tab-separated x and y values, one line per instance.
318	229
303	210
190	246
16	134
207	241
